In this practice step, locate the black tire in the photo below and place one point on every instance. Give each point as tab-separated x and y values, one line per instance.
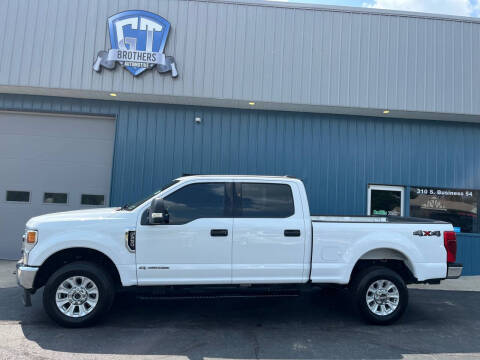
101	278
360	285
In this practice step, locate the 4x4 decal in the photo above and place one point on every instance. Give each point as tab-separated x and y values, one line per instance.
426	233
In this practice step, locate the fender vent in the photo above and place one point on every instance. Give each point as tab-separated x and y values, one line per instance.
130	241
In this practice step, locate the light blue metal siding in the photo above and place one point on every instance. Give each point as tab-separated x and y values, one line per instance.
336	156
238	51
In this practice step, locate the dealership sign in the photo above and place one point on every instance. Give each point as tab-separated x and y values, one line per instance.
137	39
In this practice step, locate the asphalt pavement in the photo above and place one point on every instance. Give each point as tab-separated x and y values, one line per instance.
442	322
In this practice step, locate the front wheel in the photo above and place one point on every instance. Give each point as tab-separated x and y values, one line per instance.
380	295
78	294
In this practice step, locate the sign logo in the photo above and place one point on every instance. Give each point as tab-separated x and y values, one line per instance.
137	38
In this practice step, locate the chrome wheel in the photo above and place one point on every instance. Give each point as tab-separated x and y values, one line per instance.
382	297
76	296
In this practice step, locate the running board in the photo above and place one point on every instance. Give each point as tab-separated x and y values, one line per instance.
225	296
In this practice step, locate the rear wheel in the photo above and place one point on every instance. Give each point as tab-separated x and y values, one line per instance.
78	294
380	295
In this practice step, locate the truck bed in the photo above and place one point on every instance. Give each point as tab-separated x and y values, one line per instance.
340	241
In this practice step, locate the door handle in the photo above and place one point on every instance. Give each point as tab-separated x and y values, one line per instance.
219	232
291	233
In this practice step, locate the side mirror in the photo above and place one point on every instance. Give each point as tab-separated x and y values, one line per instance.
158	214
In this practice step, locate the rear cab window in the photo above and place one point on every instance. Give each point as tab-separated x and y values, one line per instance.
263	200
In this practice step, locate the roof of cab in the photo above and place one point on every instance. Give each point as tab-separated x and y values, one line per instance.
260	177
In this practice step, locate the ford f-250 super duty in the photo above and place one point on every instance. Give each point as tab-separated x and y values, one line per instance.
228	232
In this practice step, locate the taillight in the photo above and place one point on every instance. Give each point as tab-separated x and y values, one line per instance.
450	242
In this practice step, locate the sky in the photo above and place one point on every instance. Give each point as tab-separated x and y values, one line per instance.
448	7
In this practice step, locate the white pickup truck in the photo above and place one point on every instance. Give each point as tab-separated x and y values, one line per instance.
224	233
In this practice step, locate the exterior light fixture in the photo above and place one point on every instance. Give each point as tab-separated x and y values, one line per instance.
386	111
251	103
113	94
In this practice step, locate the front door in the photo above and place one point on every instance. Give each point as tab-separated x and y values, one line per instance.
268	234
195	246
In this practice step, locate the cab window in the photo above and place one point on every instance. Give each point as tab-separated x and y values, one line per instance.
255	200
196	201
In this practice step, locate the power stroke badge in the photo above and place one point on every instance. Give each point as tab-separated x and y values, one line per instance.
138	39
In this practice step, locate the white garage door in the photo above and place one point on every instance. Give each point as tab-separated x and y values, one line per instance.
50	163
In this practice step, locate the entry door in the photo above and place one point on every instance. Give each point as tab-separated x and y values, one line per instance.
50	163
385	200
195	246
268	234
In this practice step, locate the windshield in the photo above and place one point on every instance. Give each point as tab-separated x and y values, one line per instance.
130	207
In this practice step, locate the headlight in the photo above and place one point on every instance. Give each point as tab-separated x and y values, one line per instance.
30	238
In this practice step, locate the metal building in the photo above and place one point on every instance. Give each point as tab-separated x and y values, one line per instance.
103	102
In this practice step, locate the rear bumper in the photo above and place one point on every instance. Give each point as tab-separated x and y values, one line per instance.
454	271
26	275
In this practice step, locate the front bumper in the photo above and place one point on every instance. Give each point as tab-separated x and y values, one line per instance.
26	275
454	271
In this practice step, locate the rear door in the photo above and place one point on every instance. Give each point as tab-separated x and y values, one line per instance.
268	233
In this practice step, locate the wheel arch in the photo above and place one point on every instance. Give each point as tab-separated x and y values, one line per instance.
389	257
69	255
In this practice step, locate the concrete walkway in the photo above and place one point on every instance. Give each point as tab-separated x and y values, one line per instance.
7	273
465	283
442	322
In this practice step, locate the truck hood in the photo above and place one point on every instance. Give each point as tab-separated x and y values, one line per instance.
78	216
